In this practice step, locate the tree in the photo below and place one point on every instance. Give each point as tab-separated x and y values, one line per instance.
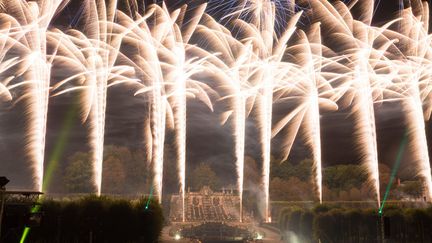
412	189
304	170
344	177
355	194
78	174
278	189
287	169
203	175
137	170
291	189
113	176
281	169
124	171
384	176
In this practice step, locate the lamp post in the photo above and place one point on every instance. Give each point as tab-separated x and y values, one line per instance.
3	182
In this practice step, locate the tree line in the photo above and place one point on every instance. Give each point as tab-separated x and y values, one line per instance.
330	224
88	219
292	181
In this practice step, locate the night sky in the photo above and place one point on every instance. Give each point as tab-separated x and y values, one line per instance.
207	142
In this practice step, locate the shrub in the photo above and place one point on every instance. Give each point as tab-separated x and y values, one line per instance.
100	218
335	224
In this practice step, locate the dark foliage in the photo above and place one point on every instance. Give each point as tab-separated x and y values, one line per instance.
98	218
335	224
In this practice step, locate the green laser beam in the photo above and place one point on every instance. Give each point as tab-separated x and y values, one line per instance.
35	209
149	198
394	171
60	146
54	159
25	234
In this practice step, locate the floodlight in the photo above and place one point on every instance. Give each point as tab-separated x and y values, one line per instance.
259	236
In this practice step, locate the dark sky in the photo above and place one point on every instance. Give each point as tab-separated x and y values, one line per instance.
208	141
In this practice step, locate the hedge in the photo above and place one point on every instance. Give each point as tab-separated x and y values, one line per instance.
335	224
100	219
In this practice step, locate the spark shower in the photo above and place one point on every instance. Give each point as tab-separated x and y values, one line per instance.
260	53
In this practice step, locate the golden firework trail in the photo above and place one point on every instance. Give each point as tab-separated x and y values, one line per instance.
252	59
